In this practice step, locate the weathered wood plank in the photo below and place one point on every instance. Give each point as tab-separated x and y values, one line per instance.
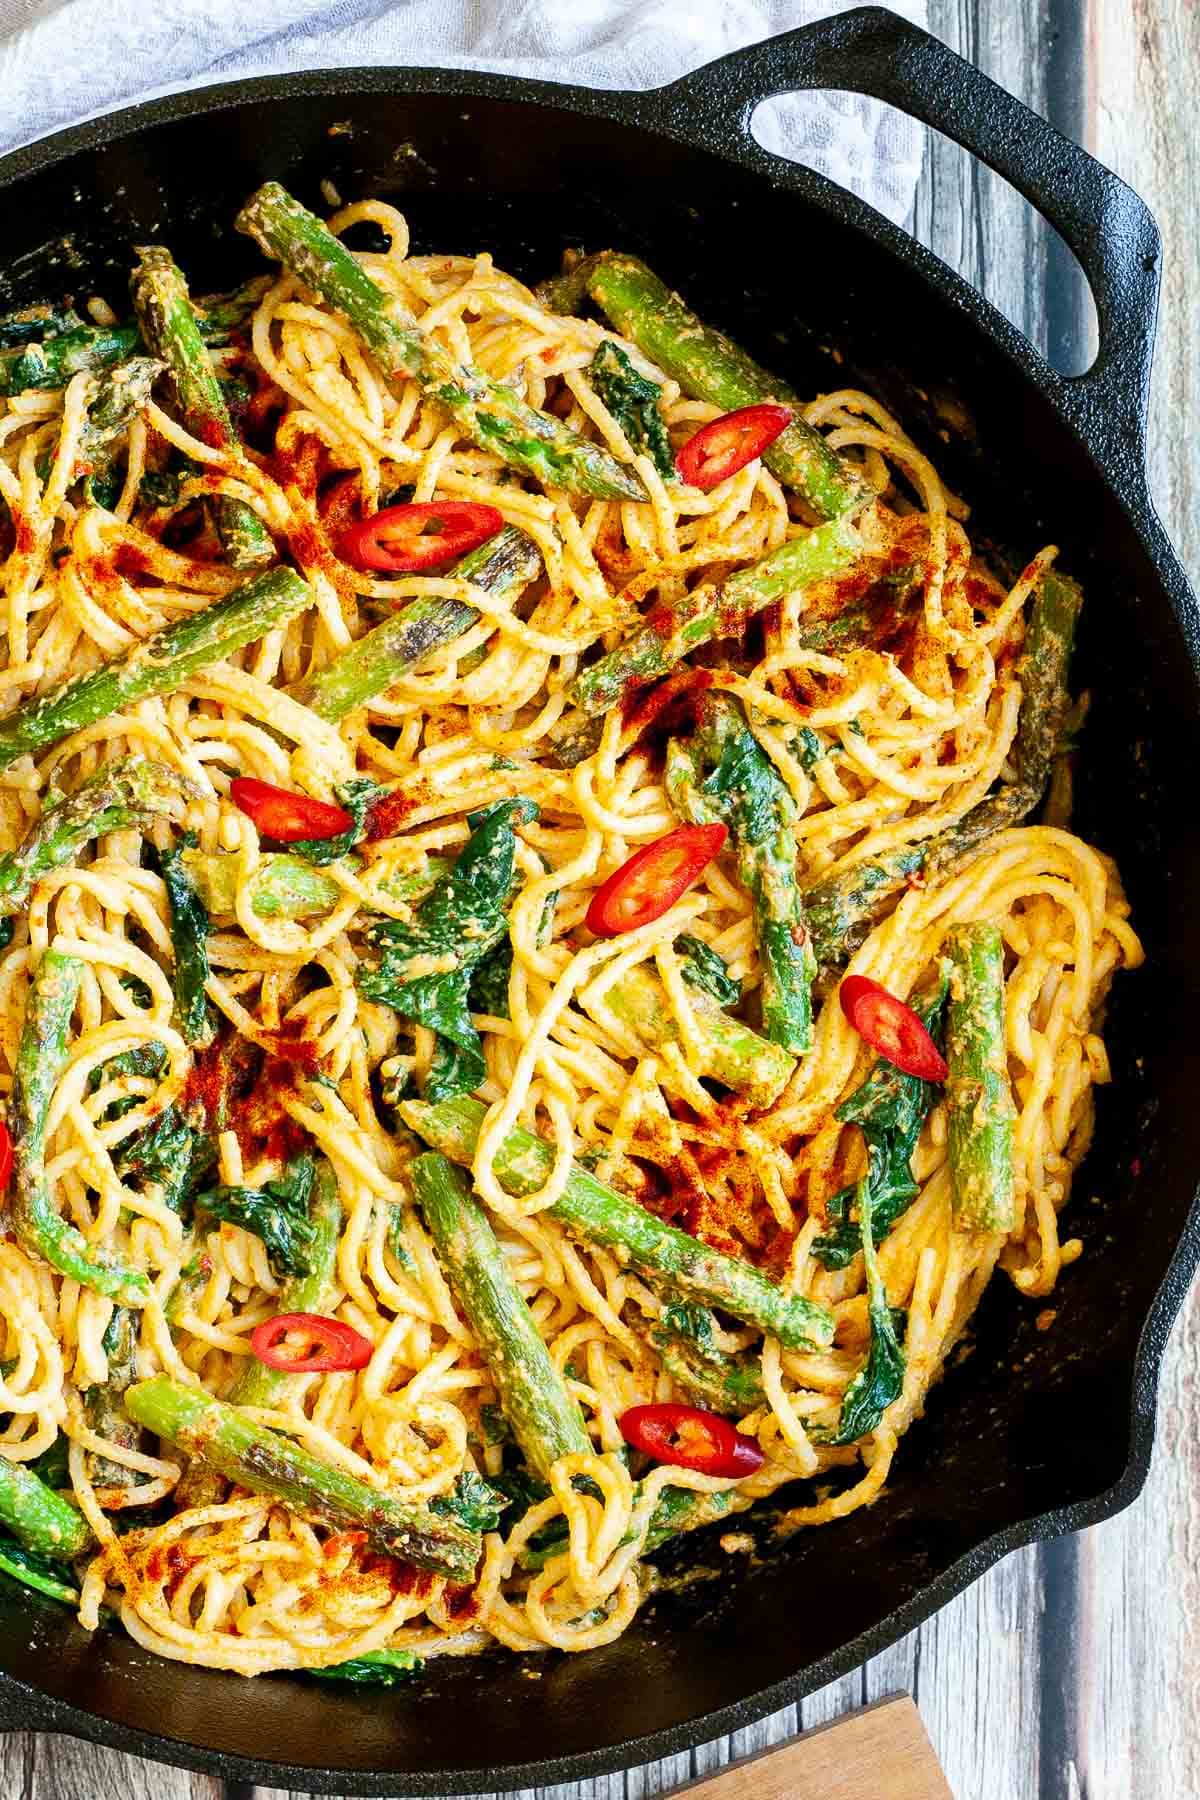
972	218
1130	1710
1134	1726
67	1769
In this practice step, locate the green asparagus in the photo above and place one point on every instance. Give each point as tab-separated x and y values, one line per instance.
717	609
287	887
679	1264
371	664
39	1518
708	366
744	792
730	1051
222	1438
170	327
488	412
313	1292
221	316
979	1103
158	665
545	1419
39	1228
129	792
843	908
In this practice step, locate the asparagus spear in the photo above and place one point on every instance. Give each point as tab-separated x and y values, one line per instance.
158	665
170	327
42	1230
287	887
38	1517
491	414
371	664
744	793
312	1292
104	1405
843	908
708	366
129	792
545	1420
730	1051
979	1105
734	1388
222	1438
717	609
683	1266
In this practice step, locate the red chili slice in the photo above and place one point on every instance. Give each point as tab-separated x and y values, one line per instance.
286	816
690	1438
6	1154
309	1344
419	535
891	1028
725	445
650	883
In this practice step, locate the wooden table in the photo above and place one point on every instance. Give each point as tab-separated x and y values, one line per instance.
1070	1671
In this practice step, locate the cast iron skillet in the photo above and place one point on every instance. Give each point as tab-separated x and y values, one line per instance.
1037	1433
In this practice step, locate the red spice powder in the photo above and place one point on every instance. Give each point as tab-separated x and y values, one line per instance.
212	432
258	1119
207	1081
387	815
178	1564
461	1603
643	707
128	561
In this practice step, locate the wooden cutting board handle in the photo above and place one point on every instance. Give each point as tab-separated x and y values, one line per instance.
882	1753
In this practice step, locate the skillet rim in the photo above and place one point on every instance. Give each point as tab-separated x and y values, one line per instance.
659	112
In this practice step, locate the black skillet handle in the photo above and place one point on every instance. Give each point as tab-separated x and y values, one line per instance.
872	51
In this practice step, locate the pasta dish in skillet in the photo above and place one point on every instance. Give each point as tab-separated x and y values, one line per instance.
545	962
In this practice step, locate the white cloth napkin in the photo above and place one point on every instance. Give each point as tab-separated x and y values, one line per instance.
65	60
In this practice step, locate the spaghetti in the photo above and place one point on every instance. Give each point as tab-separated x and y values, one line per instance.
601	1047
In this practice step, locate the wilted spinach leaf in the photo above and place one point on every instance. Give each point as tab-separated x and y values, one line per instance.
472	1500
189	940
42	1573
277	1212
357	798
889	1108
454	928
379	1668
633	401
